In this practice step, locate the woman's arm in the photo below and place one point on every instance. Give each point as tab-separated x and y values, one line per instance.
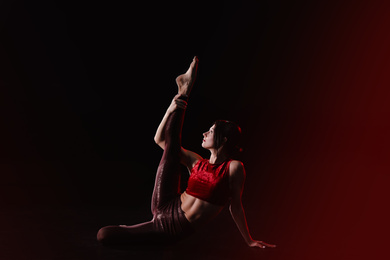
237	179
176	103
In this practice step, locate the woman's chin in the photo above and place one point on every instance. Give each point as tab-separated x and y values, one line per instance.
205	146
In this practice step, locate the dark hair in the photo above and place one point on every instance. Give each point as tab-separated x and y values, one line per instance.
232	132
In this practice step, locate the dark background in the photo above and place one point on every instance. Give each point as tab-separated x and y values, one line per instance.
84	85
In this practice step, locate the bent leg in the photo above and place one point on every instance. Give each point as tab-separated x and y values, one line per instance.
144	233
168	226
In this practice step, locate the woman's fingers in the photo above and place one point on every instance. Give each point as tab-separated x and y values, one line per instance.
177	103
181	103
266	244
261	244
255	243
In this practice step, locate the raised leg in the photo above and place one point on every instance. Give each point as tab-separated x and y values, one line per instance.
172	221
167	183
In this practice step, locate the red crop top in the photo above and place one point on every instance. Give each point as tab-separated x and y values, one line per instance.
210	182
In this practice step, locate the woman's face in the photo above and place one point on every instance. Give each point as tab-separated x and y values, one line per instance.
208	138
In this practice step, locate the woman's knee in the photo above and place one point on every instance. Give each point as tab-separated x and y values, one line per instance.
104	234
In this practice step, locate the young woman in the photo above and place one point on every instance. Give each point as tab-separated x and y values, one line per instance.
213	182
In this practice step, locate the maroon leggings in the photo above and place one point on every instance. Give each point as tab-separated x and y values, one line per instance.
169	222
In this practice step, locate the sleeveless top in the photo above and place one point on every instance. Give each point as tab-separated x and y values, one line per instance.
210	182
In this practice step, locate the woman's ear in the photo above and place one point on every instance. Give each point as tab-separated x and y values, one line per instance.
224	140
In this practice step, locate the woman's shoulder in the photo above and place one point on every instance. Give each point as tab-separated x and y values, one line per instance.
236	167
236	164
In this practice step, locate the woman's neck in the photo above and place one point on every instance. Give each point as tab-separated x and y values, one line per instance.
217	157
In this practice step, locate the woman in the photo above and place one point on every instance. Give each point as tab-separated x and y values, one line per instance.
213	182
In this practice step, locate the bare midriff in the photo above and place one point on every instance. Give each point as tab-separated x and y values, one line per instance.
198	211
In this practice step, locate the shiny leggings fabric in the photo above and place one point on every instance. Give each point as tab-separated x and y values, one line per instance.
169	223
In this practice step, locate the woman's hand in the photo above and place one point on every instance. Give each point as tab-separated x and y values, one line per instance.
177	104
260	244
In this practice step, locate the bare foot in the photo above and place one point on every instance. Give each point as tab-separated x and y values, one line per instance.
186	81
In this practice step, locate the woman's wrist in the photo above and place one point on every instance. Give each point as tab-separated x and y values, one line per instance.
248	240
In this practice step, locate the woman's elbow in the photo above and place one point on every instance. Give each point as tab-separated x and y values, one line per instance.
159	143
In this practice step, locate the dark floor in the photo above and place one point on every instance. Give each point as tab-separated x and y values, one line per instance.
70	233
46	216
